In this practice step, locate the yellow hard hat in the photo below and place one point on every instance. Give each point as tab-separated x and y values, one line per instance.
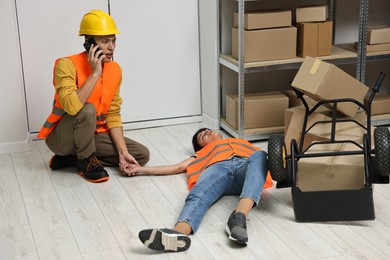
97	22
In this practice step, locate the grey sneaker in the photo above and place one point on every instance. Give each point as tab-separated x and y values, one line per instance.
164	239
236	228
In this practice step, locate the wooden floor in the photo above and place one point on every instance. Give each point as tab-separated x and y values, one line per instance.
48	214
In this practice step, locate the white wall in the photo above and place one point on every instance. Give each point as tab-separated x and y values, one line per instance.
14	134
47	34
208	26
158	50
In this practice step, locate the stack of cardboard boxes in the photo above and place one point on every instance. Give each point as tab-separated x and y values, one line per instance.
315	32
322	81
269	35
378	39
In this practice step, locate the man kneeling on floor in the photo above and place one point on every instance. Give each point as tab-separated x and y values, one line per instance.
229	166
84	129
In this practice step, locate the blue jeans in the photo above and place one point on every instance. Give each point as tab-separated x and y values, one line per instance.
237	176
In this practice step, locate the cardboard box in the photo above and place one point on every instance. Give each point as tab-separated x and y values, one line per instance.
311	14
315	39
294	101
344	131
265	19
380	105
267	44
294	118
375	47
378	35
323	81
260	110
332	173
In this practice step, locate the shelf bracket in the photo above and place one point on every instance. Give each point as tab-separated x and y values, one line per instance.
241	74
361	52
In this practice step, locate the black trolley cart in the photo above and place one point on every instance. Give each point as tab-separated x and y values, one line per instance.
333	205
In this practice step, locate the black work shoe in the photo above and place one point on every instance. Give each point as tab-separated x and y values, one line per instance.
164	239
236	228
92	170
59	162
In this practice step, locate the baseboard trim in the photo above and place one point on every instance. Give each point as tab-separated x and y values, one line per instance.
161	122
16	147
152	123
210	122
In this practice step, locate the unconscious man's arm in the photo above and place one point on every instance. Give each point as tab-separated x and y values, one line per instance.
180	167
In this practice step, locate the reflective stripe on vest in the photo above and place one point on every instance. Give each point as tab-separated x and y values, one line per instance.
100	97
219	151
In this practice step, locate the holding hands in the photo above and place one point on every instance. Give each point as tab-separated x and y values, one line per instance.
128	165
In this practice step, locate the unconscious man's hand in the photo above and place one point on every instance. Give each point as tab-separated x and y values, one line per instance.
129	169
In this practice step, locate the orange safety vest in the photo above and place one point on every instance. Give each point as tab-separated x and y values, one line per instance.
100	97
219	151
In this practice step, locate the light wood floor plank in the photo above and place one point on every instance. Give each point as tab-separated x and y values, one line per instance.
52	235
126	225
183	134
17	243
155	156
375	233
167	145
301	239
86	220
382	208
12	209
110	195
108	254
47	214
150	202
220	247
31	172
343	238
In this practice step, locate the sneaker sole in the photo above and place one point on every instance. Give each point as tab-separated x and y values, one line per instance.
158	240
242	242
95	181
50	162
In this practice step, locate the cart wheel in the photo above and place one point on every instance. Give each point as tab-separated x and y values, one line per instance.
276	157
382	150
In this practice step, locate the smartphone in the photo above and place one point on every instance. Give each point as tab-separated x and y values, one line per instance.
88	43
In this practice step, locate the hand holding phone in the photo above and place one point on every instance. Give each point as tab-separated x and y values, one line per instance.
89	43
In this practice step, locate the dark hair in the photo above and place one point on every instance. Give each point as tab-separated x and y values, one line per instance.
195	142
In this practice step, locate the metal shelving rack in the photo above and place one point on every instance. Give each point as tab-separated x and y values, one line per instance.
339	56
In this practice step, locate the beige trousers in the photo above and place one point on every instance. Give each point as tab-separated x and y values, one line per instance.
76	135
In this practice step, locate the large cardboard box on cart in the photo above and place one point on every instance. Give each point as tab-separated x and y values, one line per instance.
332	188
323	81
331	173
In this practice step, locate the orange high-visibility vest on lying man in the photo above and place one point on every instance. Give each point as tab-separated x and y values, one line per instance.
100	97
219	151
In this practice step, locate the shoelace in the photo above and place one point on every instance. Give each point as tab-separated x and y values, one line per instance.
93	162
